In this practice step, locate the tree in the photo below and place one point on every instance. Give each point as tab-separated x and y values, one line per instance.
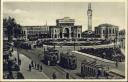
17	31
12	28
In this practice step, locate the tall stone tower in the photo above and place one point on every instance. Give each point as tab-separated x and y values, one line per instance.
89	13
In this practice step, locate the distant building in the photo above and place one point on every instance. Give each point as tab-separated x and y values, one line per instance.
65	28
34	32
121	39
107	31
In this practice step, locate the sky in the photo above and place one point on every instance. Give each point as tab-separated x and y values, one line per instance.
38	13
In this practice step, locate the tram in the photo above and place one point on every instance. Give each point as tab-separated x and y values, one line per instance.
51	56
68	61
92	69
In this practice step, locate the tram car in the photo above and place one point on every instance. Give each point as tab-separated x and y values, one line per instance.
68	61
51	56
92	69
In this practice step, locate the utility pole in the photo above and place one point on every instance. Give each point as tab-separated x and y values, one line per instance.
18	58
74	44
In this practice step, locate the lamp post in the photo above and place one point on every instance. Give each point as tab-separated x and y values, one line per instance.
18	58
74	44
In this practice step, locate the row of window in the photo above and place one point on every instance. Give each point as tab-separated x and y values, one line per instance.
106	31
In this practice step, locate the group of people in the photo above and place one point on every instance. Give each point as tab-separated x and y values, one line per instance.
106	53
54	76
40	68
36	66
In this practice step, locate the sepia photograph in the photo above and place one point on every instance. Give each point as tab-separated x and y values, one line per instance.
64	40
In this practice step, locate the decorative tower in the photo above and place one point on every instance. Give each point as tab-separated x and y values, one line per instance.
89	13
46	26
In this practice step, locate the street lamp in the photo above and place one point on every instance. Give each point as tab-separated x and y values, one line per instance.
18	54
74	43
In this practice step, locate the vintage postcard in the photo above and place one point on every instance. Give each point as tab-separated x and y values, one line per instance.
64	40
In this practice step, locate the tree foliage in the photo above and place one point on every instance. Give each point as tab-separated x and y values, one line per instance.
12	28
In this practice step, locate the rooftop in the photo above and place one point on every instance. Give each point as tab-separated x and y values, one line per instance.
106	25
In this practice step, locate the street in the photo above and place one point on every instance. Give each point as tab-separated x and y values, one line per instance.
33	74
36	55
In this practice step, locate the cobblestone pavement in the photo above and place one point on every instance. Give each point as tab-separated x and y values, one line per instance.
24	69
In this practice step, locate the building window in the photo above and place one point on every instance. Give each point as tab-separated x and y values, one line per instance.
113	31
110	31
78	35
103	31
55	36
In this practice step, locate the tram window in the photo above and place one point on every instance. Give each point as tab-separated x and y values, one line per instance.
54	58
73	61
87	68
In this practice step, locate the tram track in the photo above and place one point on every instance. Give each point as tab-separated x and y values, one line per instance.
57	68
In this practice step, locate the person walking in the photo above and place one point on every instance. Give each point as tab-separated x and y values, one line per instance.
41	68
35	65
38	66
67	75
54	75
29	67
19	61
32	63
116	63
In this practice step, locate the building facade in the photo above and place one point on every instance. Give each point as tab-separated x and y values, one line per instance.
34	32
65	28
107	31
121	39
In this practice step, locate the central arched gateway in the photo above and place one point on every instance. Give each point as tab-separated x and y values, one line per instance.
66	32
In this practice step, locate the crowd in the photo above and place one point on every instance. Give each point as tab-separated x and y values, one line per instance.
36	66
107	53
40	68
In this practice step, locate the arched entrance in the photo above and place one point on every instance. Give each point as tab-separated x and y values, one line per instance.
66	33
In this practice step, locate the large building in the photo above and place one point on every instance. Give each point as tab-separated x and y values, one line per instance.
65	28
107	31
121	39
34	32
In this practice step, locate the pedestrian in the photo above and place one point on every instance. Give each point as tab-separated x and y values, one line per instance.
38	66
54	75
67	75
19	61
41	68
35	65
107	75
97	74
116	63
15	59
29	67
32	64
